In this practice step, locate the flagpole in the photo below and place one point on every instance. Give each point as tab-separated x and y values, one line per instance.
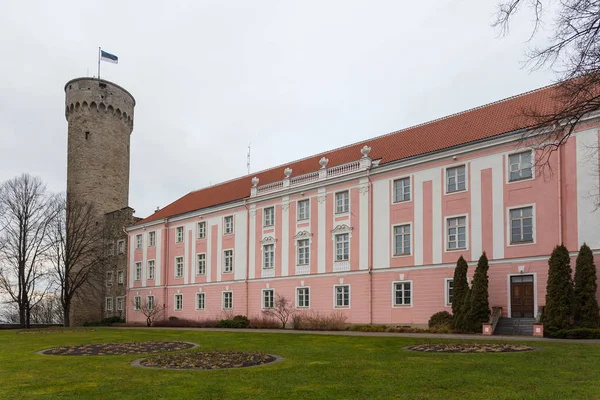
99	55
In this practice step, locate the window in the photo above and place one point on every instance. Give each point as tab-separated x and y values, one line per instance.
109	278
342	296
201	264
137	303
151	269
521	225
227	300
228	224
120	277
151	239
109	304
342	202
303	209
401	190
303	297
228	261
456	179
402	240
138	271
138	241
303	252
200	301
179	234
150	303
178	267
449	290
520	166
110	249
269	217
402	294
268	298
178	302
201	230
268	255
120	301
121	247
457	233
342	247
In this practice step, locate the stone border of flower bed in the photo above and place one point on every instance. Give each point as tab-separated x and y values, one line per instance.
138	363
469	348
189	346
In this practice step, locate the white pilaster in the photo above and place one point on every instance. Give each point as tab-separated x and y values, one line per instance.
497	206
381	224
144	258
239	253
588	218
158	259
219	254
209	255
252	244
436	216
285	235
131	248
321	246
363	208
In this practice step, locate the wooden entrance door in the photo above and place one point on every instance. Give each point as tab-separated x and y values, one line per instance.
521	296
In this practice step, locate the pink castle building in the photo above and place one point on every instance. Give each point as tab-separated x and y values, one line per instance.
374	229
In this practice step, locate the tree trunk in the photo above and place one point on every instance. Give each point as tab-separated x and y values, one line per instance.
66	317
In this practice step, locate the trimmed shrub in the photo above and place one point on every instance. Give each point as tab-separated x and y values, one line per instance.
559	291
479	306
105	322
585	308
316	321
186	323
264	322
368	328
441	320
460	292
577	333
239	321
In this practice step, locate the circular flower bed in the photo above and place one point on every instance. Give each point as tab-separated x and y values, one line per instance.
50	330
469	348
206	360
112	349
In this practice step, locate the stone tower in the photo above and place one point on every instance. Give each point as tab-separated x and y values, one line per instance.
100	121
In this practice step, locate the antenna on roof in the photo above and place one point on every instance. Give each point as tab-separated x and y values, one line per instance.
248	158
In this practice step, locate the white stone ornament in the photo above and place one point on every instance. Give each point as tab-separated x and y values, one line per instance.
323	161
287	172
255	181
365	151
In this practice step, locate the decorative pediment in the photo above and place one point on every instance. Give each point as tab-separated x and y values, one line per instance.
268	240
303	235
342	228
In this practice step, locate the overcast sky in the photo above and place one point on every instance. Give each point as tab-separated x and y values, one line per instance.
293	77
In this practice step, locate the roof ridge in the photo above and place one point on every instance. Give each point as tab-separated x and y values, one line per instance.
381	136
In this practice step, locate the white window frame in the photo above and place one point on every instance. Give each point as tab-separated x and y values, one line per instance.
201	230
300	217
179	234
298	297
335	255
269	223
446	242
509	227
225	271
298	251
148	302
394	255
107	301
138	271
176	265
198	296
335	202
120	303
152	239
138	241
198	273
410	188
121	247
412	294
109	278
228	229
447	291
271	265
137	303
515	153
120	277
262	301
175	305
223	293
335	304
466	166
151	266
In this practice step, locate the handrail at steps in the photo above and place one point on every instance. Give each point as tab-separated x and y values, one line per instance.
495	317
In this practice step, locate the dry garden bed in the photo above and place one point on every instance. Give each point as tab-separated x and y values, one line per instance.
469	348
206	360
112	349
53	330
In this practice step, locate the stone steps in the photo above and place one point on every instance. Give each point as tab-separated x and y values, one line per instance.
515	326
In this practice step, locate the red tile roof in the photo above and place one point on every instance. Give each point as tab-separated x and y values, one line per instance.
479	123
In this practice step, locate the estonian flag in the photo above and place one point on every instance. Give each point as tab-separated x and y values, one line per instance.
111	58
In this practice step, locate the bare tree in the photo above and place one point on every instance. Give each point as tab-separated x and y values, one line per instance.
282	310
573	52
48	310
76	249
151	311
27	210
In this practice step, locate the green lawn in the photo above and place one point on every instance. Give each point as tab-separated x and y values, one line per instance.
315	366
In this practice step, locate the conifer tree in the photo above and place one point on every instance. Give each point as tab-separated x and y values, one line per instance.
585	310
559	290
462	323
479	310
461	286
